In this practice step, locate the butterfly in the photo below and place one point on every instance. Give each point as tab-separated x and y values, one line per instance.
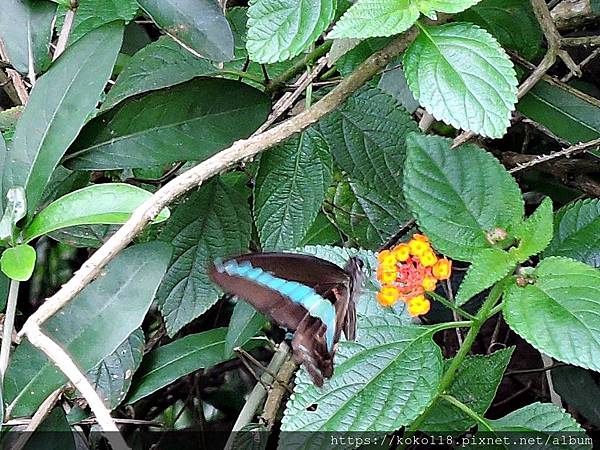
308	295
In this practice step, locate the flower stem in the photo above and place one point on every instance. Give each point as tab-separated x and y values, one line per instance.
468	411
448	377
448	304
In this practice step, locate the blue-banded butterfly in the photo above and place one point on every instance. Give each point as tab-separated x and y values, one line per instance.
308	295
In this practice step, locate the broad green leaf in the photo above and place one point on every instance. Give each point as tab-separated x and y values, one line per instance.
161	64
212	222
577	232
370	18
512	22
112	377
15	210
290	188
447	6
58	107
578	389
550	423
83	236
91	14
170	362
322	232
461	75
381	382
281	29
565	111
367	217
55	426
488	266
459	195
63	182
26	31
244	324
90	327
558	313
109	203
367	138
491	265
199	25
475	385
351	60
535	233
18	262
190	121
393	82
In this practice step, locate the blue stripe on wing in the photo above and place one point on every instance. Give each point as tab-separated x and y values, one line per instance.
306	296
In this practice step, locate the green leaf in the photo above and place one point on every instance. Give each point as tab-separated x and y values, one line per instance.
55	425
109	203
25	31
458	196
535	233
199	25
112	377
370	18
290	188
578	389
281	29
83	236
488	266
59	105
475	385
159	65
322	232
92	14
244	324
577	232
18	262
565	111
170	362
367	138
512	22
461	75
446	6
366	216
381	382
90	327
190	121
393	82
550	423
558	313
212	222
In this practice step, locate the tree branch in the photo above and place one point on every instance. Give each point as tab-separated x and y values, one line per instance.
67	366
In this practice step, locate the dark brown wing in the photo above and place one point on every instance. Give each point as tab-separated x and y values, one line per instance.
310	349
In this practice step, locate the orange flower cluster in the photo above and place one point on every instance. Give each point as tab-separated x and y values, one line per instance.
408	271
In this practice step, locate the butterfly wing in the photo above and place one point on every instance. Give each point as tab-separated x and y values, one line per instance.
327	279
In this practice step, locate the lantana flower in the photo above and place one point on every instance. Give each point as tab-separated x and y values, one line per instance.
408	271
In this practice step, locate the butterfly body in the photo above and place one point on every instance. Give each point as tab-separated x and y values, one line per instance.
308	295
